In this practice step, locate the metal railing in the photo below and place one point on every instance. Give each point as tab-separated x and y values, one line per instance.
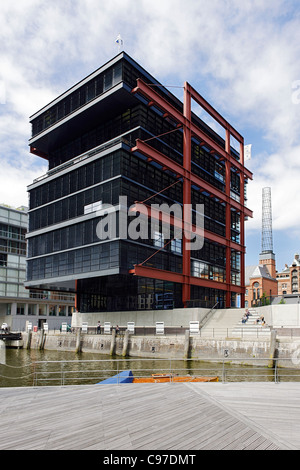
52	296
238	332
138	330
84	156
88	372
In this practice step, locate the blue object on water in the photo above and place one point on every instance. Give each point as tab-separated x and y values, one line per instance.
125	377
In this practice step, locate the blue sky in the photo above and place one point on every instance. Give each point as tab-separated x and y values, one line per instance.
243	57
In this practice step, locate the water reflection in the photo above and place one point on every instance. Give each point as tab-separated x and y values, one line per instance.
34	367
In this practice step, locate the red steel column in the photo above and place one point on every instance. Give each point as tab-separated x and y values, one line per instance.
186	254
228	221
189	129
242	225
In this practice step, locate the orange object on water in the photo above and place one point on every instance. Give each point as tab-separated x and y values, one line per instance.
160	378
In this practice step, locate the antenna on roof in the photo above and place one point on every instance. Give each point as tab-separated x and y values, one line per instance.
119	42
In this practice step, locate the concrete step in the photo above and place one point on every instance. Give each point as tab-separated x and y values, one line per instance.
230	322
262	331
252	326
227	318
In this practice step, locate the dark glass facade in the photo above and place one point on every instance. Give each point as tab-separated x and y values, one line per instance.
122	292
87	135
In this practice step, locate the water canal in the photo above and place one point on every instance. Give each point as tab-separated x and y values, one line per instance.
23	368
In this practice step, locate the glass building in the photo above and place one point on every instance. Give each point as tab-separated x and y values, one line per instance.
13	228
118	144
19	305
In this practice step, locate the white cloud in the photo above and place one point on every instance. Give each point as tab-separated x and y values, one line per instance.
242	56
16	177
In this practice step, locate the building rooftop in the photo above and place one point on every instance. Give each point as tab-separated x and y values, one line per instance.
296	261
19	209
256	271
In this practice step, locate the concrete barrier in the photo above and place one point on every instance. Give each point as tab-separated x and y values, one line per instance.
186	353
273	349
113	343
78	341
238	351
125	350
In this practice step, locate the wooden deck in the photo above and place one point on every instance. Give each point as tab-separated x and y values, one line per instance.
170	417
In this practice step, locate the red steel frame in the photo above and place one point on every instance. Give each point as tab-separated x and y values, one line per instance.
184	121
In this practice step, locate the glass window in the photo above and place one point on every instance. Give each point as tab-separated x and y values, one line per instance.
32	309
42	310
158	239
108	76
20	309
52	310
71	310
176	245
62	310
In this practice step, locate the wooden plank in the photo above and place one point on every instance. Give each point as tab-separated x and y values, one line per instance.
150	416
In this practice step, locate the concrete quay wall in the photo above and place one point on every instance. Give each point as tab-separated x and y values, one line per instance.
247	352
175	317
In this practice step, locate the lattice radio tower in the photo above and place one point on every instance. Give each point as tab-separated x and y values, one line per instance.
267	235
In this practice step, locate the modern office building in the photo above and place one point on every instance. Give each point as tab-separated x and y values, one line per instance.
13	228
117	143
19	305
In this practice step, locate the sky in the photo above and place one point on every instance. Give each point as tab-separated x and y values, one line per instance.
241	56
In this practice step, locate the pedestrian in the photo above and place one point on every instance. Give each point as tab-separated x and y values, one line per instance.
98	328
117	329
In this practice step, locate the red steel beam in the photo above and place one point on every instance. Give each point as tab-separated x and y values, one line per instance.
152	95
187	190
215	114
189	128
155	273
175	167
174	221
39	153
166	107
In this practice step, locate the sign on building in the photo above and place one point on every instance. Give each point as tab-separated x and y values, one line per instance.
194	327
160	328
247	152
130	327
